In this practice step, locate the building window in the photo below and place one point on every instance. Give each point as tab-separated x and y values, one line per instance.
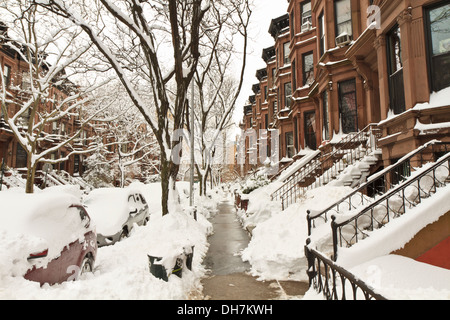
322	46
343	17
290	148
395	71
274	73
348	106
306	16
26	81
7	75
310	130
265	93
438	29
308	68
21	157
326	130
287	95
294	75
286	52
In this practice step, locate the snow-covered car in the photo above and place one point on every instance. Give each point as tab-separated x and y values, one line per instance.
46	237
115	211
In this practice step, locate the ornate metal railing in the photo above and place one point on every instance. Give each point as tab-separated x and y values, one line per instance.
295	177
408	194
335	282
351	148
376	185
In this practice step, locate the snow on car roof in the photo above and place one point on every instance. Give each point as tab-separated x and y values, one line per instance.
30	223
109	208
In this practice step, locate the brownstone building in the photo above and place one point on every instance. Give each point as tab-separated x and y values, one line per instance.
338	66
16	80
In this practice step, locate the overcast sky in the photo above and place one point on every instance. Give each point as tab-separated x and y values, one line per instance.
263	13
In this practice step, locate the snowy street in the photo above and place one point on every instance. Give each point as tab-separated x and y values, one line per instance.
225	150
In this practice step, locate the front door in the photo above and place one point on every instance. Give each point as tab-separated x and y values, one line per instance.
310	130
395	71
348	111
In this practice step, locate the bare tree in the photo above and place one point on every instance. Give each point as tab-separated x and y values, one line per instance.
217	83
41	94
140	29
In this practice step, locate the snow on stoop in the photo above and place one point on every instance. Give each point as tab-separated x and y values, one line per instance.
355	174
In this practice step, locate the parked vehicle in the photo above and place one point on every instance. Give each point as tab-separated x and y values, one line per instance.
115	211
50	236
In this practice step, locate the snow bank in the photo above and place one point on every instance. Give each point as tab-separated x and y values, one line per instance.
397	277
109	208
122	270
398	232
276	250
31	223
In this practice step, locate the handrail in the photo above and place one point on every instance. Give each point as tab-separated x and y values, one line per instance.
368	131
325	279
421	193
281	190
311	216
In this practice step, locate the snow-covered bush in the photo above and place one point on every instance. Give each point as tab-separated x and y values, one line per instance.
253	183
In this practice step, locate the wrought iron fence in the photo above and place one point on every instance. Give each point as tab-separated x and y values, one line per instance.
347	231
352	148
335	282
376	185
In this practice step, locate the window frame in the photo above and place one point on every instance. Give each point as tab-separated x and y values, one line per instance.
7	75
341	96
322	34
429	46
302	12
336	24
286	53
304	71
287	98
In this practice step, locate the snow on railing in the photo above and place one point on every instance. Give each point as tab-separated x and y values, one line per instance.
423	183
377	184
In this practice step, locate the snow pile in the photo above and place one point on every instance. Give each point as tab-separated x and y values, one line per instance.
397	277
437	99
32	223
122	270
276	250
109	208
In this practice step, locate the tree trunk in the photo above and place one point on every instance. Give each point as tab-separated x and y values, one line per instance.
31	172
165	177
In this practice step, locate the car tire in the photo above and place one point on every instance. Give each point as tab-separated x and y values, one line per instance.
87	265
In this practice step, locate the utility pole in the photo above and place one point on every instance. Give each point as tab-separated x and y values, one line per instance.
191	189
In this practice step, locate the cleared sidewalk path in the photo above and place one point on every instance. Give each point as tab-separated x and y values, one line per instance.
228	278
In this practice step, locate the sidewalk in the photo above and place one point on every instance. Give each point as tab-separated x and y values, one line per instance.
228	278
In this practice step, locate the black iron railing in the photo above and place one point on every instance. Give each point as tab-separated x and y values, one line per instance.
335	282
347	231
352	148
376	185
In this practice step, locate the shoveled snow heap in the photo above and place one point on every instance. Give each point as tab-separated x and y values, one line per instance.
122	270
276	250
31	223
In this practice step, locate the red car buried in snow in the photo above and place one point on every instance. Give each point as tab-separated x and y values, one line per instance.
49	235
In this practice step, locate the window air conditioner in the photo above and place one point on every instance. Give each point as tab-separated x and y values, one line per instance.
306	26
343	39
